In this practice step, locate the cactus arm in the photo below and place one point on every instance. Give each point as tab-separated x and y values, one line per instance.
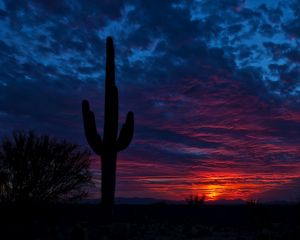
93	138
126	133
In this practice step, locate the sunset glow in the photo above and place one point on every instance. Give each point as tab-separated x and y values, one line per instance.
214	184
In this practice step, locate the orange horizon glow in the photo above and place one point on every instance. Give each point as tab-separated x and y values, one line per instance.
152	182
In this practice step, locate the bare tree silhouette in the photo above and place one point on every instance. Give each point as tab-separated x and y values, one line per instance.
110	145
41	169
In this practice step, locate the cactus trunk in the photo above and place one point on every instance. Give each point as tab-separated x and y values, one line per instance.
108	178
111	143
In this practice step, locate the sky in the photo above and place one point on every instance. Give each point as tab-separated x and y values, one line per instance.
214	86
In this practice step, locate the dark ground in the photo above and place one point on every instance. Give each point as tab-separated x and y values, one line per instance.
151	222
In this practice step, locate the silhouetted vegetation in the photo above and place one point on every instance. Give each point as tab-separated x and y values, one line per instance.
38	168
111	143
252	202
195	200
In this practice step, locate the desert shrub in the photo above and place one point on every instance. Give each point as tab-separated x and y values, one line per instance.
38	168
252	202
195	200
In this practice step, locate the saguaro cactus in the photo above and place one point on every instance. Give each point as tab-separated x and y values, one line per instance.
108	147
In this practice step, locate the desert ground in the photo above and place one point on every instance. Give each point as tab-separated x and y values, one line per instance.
151	222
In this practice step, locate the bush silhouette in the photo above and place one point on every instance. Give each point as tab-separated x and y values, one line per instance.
37	168
195	200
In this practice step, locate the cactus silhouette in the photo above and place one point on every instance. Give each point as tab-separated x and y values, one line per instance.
108	147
